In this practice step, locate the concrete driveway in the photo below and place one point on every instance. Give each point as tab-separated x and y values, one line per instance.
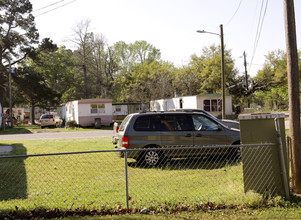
5	149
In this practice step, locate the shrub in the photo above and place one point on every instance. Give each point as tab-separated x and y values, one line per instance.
71	124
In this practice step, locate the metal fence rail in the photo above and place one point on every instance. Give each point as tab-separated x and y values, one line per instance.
96	179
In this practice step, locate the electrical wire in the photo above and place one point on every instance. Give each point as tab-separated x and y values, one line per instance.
55	8
39	9
234	13
259	29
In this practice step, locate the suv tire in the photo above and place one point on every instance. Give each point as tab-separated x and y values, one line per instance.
151	158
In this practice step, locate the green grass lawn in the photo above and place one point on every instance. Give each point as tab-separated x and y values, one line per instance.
28	128
96	181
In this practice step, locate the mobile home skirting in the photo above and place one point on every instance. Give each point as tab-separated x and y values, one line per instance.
87	121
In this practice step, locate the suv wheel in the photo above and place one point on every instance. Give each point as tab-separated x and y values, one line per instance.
152	158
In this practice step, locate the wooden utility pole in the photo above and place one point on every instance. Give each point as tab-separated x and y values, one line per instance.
293	92
246	74
223	73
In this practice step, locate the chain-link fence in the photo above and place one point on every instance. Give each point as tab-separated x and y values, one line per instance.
97	179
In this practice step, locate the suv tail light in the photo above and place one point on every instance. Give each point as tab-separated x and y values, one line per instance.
117	128
125	142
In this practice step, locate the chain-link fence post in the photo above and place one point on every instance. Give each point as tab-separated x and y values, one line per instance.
282	161
126	179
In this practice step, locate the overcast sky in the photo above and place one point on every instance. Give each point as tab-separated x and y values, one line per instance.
171	25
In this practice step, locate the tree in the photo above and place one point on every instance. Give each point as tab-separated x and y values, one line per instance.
186	81
127	55
144	52
96	60
84	40
204	72
34	89
140	74
17	35
272	81
39	76
56	65
124	57
145	82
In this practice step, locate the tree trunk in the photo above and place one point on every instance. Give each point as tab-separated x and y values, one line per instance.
32	112
85	81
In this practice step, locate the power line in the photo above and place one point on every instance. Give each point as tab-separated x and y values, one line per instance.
259	28
55	8
234	13
47	6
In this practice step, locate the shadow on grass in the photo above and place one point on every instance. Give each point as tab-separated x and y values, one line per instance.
13	180
295	199
209	163
15	130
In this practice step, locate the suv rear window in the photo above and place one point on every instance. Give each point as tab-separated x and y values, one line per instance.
147	123
177	122
124	123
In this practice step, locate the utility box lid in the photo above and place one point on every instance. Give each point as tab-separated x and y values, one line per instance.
261	116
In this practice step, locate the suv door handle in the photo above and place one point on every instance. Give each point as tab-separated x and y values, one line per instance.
188	135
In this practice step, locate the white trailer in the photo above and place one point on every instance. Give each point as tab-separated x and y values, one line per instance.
88	112
210	102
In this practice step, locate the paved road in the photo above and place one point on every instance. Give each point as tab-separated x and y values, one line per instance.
58	135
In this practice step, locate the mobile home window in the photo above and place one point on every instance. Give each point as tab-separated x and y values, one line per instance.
97	108
213	105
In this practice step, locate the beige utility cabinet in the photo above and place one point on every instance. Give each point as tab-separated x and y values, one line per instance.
262	165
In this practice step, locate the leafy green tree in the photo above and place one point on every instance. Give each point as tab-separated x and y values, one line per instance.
42	77
144	52
272	81
186	80
127	55
56	65
146	81
34	89
273	72
17	35
203	73
140	74
124	57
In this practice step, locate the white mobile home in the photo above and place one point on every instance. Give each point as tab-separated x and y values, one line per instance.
211	103
87	111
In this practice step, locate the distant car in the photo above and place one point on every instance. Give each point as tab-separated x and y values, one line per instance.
228	123
50	120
